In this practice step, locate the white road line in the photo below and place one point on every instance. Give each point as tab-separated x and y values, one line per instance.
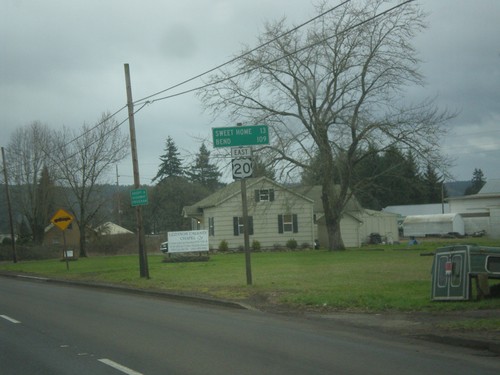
119	367
10	319
32	277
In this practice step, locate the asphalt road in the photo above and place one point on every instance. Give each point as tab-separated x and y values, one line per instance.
48	328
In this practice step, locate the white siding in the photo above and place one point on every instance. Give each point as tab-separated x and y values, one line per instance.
265	218
383	223
349	229
494	231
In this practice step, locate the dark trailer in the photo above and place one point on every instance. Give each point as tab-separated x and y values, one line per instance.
454	267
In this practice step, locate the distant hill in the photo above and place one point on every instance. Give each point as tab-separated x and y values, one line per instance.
457	188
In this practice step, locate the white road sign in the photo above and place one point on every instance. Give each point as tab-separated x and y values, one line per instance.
242	168
186	241
241	152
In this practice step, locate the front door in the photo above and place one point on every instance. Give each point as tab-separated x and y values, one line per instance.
450	279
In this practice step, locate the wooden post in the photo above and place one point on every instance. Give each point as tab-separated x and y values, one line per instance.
143	259
246	236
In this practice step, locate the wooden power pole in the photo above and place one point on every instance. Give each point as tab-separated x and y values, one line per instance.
143	259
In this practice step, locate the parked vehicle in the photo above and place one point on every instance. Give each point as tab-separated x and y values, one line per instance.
164	247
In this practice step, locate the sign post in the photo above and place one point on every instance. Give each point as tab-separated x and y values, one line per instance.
62	220
235	137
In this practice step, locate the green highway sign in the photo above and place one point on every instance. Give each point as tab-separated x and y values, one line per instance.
139	197
241	136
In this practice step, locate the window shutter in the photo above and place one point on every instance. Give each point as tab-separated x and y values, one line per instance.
257	195
250	225
271	195
236	230
280	223
295	224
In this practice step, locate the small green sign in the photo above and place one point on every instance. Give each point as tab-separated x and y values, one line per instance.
139	197
241	136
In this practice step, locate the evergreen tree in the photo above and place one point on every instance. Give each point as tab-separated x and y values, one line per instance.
44	206
167	201
433	185
171	164
203	172
413	179
477	182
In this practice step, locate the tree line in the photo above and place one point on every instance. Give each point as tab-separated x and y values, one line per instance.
395	179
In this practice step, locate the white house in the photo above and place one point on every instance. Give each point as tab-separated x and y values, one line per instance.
278	213
480	211
357	223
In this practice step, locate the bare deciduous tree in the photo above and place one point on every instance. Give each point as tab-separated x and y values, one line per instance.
334	91
82	159
28	163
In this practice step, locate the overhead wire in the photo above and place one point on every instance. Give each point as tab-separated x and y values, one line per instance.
278	58
244	54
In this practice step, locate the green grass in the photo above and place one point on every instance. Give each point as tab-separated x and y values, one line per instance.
369	279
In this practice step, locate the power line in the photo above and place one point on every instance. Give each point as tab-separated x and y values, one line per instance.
272	61
243	55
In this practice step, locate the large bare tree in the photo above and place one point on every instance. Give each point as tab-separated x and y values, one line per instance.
28	166
83	157
334	90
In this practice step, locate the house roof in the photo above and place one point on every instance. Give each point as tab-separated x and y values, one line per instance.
491	189
229	191
419	209
111	229
315	192
440	218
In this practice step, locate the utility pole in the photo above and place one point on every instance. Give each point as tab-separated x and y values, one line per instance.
143	259
12	235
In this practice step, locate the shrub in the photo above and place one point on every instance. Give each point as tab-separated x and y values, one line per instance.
113	245
255	245
223	246
291	244
30	252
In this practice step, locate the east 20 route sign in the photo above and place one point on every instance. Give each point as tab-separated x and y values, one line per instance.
253	135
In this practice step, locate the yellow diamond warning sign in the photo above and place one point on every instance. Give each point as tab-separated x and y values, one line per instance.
62	219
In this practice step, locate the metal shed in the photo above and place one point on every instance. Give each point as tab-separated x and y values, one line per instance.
422	225
454	267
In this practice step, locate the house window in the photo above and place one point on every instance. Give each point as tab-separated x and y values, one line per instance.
264	195
288	223
211	226
238	227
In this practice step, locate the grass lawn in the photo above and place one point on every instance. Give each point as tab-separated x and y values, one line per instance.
378	278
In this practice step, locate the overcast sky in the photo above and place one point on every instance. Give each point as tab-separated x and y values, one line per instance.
61	63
